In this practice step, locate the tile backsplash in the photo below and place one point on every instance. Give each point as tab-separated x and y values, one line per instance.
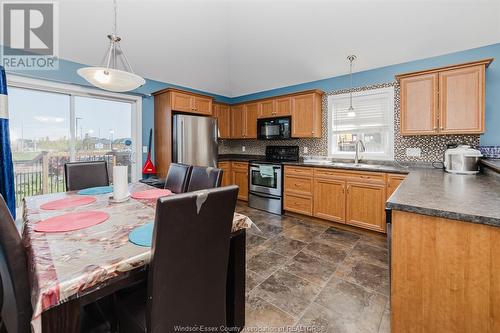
432	146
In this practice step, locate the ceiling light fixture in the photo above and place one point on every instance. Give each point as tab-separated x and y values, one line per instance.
350	111
109	77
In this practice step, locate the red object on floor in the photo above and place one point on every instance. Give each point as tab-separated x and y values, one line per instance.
68	202
71	221
149	167
151	194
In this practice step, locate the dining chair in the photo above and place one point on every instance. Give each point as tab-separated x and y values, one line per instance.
178	177
16	306
80	175
203	178
186	285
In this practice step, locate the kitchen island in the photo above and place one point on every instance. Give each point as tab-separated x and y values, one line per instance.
445	253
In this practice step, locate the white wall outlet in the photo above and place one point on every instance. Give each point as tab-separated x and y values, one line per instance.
413	152
145	149
243	148
306	150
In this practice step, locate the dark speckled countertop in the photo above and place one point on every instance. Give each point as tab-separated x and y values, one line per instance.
471	198
429	191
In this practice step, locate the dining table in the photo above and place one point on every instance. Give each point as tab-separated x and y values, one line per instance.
71	269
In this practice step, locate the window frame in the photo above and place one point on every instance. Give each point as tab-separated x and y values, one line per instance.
388	155
73	91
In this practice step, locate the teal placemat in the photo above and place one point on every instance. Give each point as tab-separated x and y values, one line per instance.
96	190
143	235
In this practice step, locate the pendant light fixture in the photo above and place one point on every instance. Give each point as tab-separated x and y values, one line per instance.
108	76
350	111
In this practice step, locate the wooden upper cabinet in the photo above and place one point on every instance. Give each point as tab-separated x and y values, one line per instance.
306	116
419	105
250	129
267	109
181	102
447	100
202	105
461	102
365	205
237	122
283	106
223	114
185	102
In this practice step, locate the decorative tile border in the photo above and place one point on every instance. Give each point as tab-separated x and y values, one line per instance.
432	146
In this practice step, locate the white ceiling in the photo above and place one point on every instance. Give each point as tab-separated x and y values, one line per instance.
237	47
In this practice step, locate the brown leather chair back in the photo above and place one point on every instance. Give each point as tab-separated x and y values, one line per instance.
80	175
190	253
178	177
16	308
203	178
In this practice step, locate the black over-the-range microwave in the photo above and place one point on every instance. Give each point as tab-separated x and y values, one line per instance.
274	128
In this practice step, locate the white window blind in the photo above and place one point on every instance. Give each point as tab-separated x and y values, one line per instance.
372	122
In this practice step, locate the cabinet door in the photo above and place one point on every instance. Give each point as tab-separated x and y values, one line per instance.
419	102
226	173
283	106
240	178
266	109
237	122
329	199
202	105
222	112
461	100
303	116
365	205
393	182
251	111
182	102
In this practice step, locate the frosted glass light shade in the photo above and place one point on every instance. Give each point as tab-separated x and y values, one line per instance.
111	79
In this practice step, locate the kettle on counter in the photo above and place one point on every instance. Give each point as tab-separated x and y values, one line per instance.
462	159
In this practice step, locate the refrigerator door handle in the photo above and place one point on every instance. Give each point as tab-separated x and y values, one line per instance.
180	146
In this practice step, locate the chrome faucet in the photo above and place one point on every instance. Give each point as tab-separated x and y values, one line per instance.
356	147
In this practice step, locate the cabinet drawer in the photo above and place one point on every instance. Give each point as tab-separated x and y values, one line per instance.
328	173
368	177
239	165
299	171
298	185
298	204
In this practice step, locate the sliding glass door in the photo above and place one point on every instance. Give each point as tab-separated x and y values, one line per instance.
49	129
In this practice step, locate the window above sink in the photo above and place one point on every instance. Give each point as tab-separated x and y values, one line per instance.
371	122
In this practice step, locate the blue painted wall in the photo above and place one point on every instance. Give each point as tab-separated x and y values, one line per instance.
386	74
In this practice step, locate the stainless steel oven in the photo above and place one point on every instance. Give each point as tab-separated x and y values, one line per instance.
265	187
266	178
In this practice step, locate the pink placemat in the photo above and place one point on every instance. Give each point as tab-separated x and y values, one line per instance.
68	202
151	194
71	221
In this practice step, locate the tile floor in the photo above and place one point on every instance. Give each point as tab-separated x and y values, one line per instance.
305	273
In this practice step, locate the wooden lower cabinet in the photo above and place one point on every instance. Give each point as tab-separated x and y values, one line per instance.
329	199
393	182
365	205
297	203
226	173
352	197
445	275
239	176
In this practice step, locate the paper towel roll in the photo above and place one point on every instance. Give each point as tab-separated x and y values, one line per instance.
120	182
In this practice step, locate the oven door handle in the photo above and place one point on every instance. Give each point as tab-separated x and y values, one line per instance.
266	196
257	167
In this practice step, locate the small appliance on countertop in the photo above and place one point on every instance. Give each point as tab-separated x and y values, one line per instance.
462	160
266	178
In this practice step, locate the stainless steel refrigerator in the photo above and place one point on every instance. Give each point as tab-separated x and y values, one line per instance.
194	140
